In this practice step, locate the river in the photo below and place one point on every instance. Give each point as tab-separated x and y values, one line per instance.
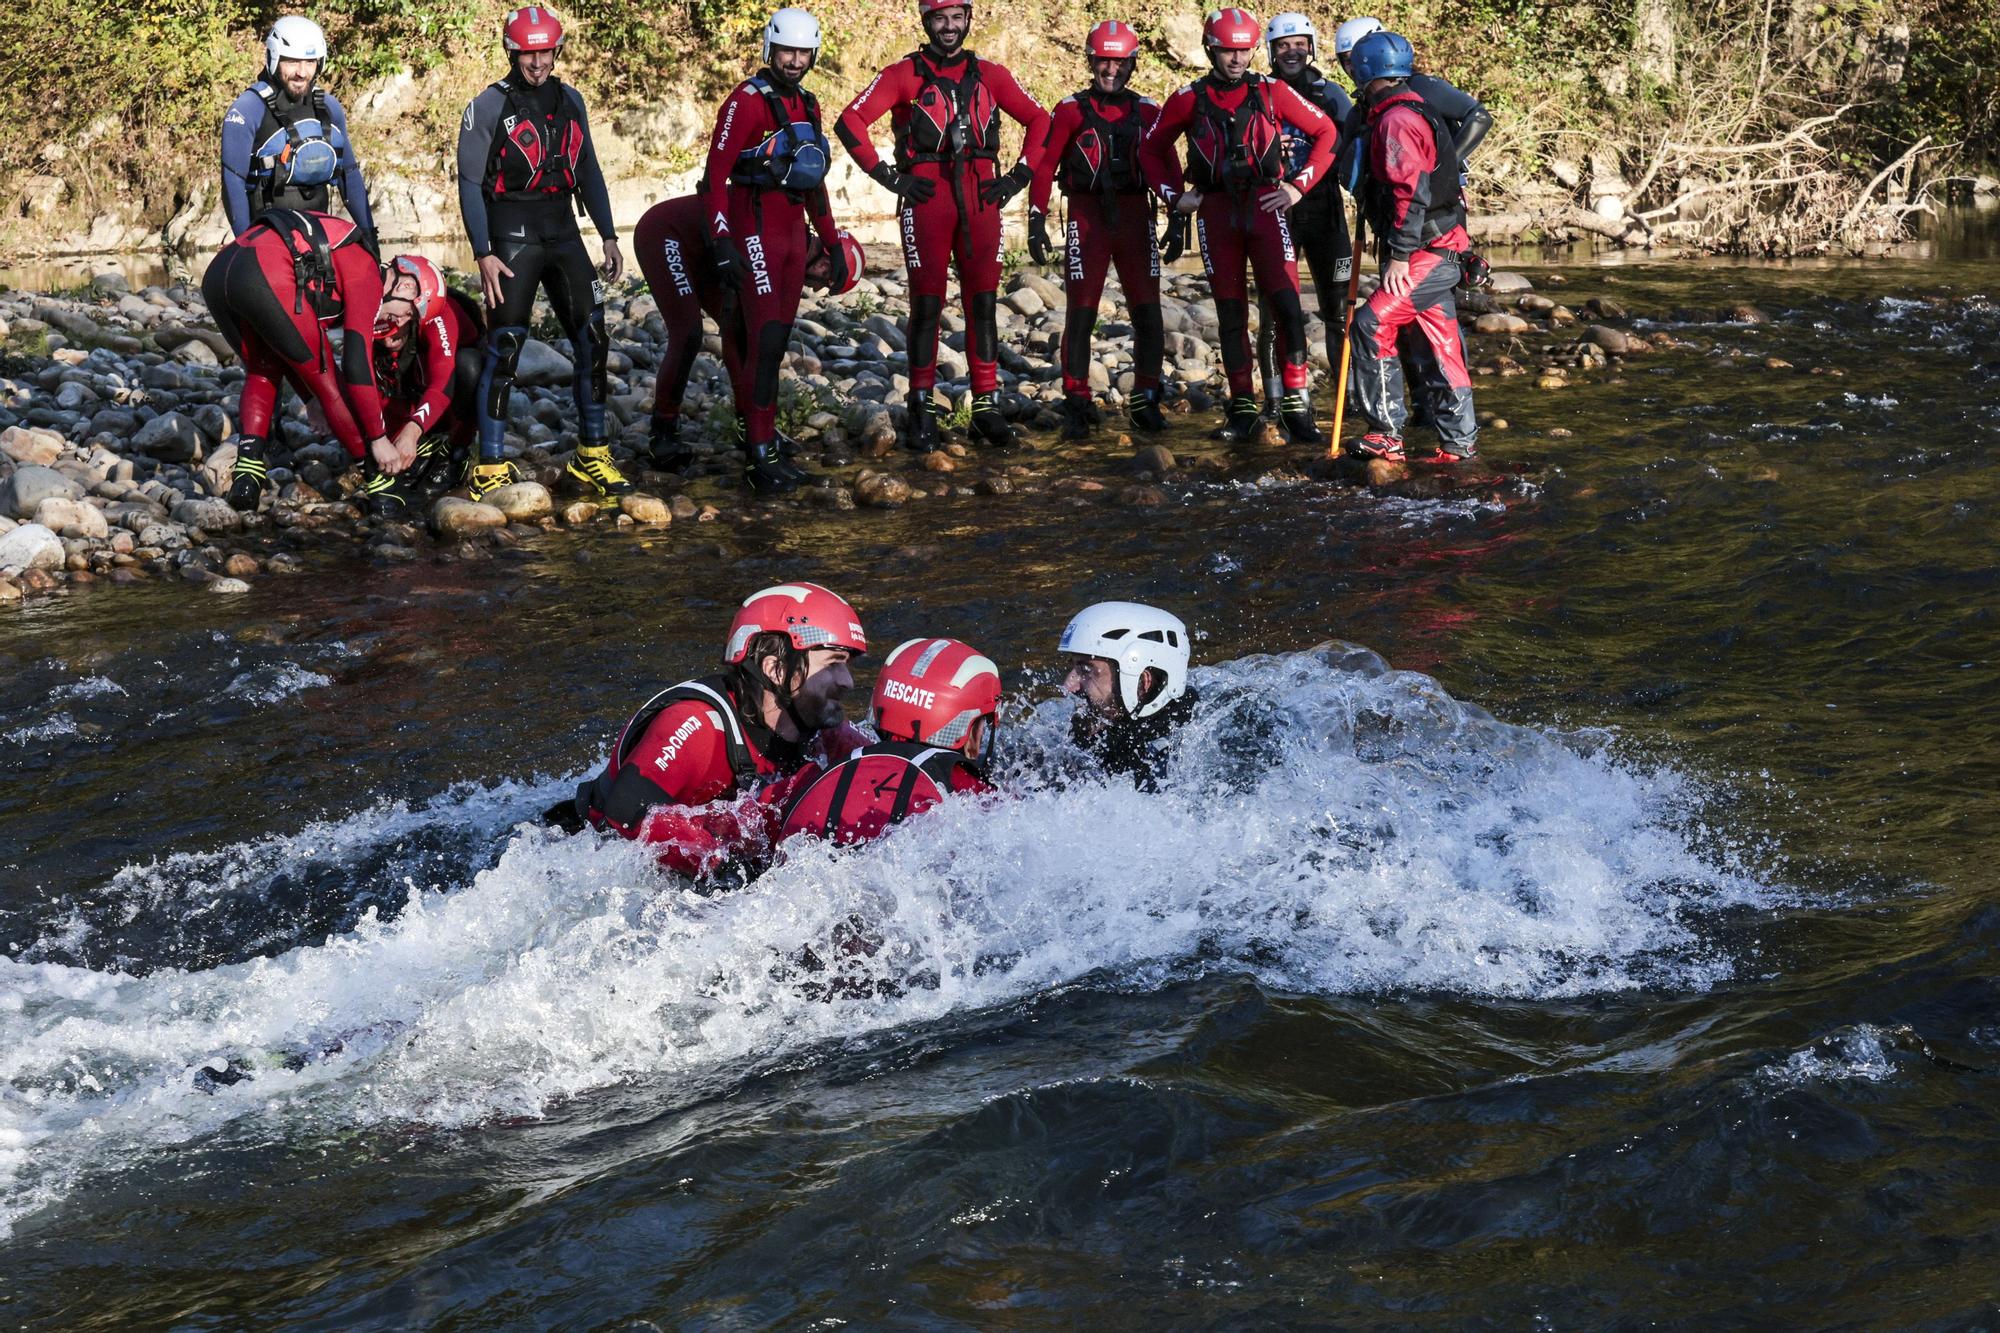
1604	935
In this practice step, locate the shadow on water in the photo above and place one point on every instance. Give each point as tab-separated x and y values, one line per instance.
1672	999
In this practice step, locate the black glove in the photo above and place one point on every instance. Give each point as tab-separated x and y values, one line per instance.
1002	188
730	265
836	267
916	189
1039	248
1177	236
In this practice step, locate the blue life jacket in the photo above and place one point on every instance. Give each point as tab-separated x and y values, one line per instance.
299	155
794	157
1329	97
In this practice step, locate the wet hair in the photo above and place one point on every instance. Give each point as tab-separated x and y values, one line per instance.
748	682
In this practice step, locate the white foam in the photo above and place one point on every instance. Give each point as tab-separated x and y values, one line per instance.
1861	1053
1329	827
62	724
270	685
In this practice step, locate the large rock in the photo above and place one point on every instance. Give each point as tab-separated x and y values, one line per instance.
31	546
1610	339
171	437
456	517
72	518
882	490
208	514
522	502
1181	34
1511	282
23	492
542	366
1500	323
648	509
217	469
67	321
25	444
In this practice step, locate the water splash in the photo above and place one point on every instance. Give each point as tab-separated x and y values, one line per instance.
1328	826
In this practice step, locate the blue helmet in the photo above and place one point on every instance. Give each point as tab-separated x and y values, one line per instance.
1382	55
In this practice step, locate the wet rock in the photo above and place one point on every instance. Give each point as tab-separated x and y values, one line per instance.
1381	472
10	592
1777	363
241	565
1552	380
1741	314
579	512
1506	283
1500	322
170	438
283	562
1154	458
522	502
207	513
938	462
1605	308
648	509
31	546
1532	304
1610	339
454	517
228	585
882	490
27	445
23	492
1142	497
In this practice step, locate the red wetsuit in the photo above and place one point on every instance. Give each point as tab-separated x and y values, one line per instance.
1411	193
672	241
437	384
1236	154
860	798
768	224
274	294
926	97
689	776
1093	143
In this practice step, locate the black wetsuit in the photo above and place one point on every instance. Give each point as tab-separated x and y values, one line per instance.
525	159
1134	747
1319	228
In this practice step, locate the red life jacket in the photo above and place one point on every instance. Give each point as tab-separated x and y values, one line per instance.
533	153
625	803
1235	151
859	798
949	121
1103	154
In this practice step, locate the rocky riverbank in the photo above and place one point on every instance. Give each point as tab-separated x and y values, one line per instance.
117	413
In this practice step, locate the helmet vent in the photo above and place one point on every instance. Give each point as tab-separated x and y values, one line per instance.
1116	633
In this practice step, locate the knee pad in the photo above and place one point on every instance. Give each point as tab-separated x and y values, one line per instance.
1232	321
503	357
1078	324
925	314
984	339
772	341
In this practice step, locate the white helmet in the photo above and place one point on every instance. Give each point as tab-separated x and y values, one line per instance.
791	27
1352	31
1290	25
293	38
1133	637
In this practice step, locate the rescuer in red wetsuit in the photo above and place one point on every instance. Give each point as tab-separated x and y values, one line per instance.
274	292
767	161
1093	148
1243	187
673	249
936	707
1410	191
944	104
774	709
427	362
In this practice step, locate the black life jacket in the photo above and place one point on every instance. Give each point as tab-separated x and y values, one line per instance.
794	157
860	797
305	239
296	157
535	155
949	121
1237	151
1447	210
625	803
1103	154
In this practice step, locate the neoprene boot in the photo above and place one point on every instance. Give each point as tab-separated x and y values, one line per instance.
765	468
592	467
920	431
1079	415
1242	422
482	479
250	477
1375	444
390	496
989	426
1295	409
663	445
1143	411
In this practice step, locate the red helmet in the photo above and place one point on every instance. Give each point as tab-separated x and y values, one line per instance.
1112	40
932	691
531	29
856	256
430	282
806	613
932	6
1231	30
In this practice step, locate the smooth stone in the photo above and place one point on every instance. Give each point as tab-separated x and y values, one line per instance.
1155	458
454	516
1500	323
1611	340
579	512
542	366
75	518
241	565
522	502
23	492
648	509
171	437
882	490
25	444
207	513
1511	282
228	585
31	546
